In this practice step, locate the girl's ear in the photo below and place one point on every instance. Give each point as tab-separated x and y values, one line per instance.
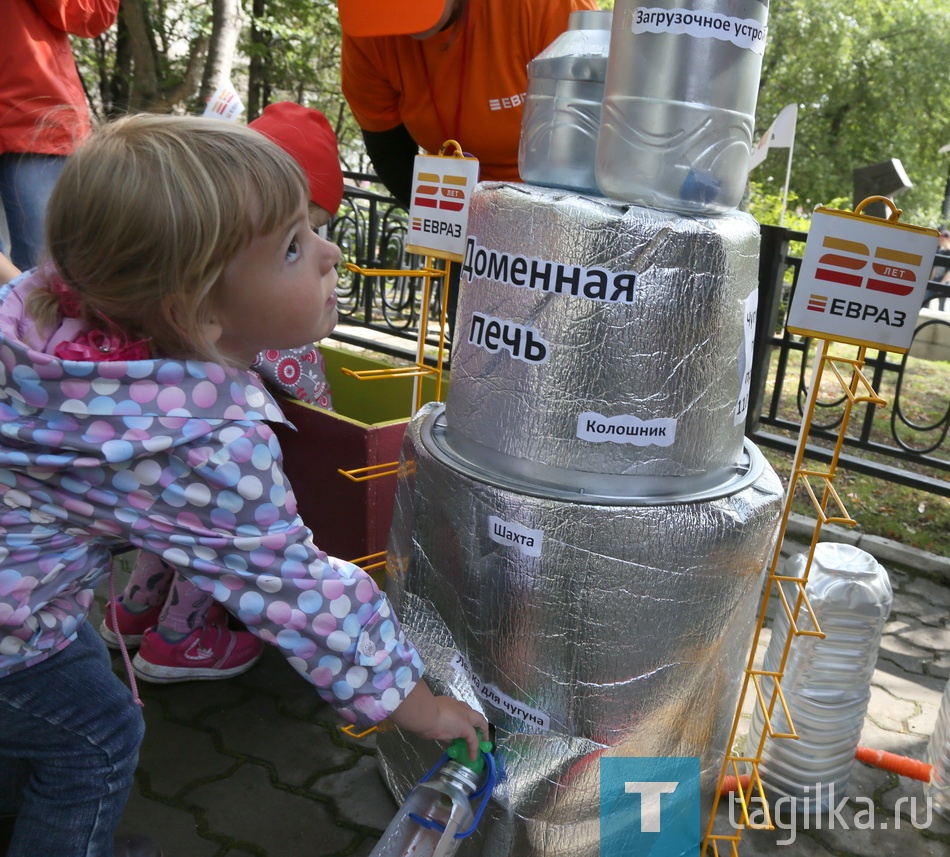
208	331
211	331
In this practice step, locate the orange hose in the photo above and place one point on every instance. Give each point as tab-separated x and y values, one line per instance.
730	783
894	763
886	761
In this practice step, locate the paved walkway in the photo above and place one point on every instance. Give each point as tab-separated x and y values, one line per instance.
257	765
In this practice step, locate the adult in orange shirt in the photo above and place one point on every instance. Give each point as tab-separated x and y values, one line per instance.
419	72
43	110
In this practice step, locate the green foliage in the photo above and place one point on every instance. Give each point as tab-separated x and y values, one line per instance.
867	77
766	207
301	45
298	42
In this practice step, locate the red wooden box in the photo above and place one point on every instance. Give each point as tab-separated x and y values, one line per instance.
349	519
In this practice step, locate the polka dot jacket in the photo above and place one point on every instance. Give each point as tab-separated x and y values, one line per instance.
177	458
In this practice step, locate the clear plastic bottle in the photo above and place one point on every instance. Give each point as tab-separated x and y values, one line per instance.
826	682
439	807
938	755
562	108
679	102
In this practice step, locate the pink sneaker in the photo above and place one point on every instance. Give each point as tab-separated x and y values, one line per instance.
131	625
211	652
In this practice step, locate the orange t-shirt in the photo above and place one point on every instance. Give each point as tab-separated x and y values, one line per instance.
466	83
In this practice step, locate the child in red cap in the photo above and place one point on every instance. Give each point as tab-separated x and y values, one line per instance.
306	135
182	635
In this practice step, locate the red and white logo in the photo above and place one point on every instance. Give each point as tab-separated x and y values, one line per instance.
850	263
446	193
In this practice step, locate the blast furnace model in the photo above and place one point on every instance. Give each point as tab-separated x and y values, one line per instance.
581	530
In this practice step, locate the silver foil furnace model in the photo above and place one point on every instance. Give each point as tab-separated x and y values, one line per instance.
581	531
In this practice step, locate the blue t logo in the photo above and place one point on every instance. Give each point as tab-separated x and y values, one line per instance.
649	807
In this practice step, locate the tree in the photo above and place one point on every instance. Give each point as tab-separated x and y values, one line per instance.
225	30
868	78
151	60
293	48
170	56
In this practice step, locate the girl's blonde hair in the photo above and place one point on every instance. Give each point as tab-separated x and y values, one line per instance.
149	211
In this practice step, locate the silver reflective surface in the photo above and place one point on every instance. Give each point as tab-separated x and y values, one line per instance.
558	145
679	102
675	353
588	630
938	755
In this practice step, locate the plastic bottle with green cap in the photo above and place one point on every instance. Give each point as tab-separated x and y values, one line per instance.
440	811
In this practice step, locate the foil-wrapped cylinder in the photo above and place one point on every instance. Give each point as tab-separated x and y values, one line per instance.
583	625
636	323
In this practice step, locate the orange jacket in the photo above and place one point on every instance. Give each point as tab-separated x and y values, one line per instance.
42	104
466	83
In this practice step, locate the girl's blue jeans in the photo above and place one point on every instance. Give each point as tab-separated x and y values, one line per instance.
69	742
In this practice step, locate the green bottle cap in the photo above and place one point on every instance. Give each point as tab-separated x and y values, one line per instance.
458	752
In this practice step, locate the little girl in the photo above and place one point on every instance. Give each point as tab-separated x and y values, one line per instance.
180	249
182	635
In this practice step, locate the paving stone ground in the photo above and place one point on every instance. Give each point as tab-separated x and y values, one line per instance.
257	766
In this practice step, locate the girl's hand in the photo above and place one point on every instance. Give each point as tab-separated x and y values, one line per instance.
440	718
458	720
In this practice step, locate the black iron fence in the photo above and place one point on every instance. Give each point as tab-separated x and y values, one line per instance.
906	443
371	228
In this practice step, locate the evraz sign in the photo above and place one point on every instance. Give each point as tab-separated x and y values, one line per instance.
862	278
441	194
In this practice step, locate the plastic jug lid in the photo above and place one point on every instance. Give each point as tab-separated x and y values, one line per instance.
458	752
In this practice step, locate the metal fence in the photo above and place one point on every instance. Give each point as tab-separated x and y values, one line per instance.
906	443
371	228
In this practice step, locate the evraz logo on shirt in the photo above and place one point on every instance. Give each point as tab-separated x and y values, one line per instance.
507	102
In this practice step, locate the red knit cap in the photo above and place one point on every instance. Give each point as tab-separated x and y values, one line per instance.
306	135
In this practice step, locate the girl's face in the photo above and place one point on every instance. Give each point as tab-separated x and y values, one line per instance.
278	291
